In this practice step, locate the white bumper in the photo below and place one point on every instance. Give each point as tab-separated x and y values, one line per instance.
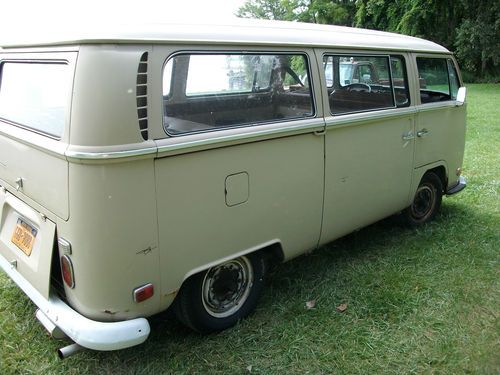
85	332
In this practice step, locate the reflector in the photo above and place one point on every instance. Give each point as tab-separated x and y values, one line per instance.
67	271
144	292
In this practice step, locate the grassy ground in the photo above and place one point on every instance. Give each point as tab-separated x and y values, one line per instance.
419	302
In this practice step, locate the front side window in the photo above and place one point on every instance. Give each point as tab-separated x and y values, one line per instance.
204	92
358	83
35	95
437	78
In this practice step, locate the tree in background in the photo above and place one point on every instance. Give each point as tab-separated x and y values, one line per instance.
335	12
477	41
471	28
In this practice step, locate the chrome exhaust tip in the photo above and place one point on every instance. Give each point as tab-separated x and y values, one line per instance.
69	350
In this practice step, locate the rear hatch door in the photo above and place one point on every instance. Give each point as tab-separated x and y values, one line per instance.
35	103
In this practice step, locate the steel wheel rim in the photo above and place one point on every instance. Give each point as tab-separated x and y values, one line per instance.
226	287
424	202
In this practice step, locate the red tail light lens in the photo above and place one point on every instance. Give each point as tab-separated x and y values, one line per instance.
144	292
67	271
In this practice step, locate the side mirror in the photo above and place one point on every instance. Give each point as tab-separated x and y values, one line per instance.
461	95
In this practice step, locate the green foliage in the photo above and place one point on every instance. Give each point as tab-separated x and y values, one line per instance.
478	39
266	9
339	12
471	28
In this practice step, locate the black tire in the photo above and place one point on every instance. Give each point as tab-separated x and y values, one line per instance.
219	297
426	202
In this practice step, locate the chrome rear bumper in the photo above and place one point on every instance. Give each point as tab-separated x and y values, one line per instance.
57	316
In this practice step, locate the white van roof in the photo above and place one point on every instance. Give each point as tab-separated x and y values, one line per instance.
238	31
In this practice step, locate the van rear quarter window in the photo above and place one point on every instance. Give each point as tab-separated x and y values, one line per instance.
35	95
205	92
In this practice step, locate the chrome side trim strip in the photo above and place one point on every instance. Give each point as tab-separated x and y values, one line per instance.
82	155
250	134
178	143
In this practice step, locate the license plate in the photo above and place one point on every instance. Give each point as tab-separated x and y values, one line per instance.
24	236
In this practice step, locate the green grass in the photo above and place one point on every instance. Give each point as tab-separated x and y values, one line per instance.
419	302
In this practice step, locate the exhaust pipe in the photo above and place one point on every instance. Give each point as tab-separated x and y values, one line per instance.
69	350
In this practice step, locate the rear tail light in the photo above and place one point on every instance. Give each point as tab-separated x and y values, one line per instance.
144	292
67	271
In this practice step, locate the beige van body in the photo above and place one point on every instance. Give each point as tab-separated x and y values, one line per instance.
138	201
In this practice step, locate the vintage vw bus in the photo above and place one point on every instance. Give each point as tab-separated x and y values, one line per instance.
169	164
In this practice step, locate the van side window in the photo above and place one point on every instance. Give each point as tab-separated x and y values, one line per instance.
205	92
438	79
400	81
358	83
35	95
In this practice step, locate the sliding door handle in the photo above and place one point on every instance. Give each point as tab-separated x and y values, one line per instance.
408	136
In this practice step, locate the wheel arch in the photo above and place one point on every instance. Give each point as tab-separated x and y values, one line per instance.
272	251
440	168
441	172
205	308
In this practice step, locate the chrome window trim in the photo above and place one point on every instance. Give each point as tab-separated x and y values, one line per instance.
361	117
311	126
426	107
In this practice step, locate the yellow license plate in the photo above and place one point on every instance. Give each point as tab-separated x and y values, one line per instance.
24	236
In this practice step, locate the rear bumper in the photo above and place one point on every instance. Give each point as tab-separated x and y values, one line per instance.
85	332
458	187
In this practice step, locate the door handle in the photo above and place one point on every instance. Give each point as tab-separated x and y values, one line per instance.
423	133
320	132
19	183
408	136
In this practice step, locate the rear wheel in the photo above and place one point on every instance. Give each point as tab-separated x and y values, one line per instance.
217	298
426	202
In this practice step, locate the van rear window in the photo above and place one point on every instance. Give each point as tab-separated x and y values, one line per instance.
35	95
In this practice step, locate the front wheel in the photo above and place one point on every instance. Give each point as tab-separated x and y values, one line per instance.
426	202
217	298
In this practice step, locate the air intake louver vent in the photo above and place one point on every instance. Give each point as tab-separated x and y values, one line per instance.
142	95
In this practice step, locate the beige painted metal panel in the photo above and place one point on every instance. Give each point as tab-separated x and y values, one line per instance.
36	174
196	226
104	109
35	267
113	233
444	137
367	171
